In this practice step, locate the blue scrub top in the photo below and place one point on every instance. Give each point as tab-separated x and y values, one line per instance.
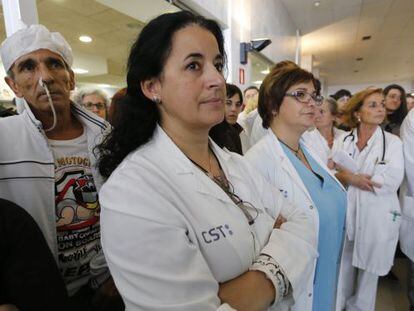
330	200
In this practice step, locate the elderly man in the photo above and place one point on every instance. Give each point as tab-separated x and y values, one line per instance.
47	164
94	100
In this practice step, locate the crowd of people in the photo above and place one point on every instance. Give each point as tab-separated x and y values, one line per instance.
184	193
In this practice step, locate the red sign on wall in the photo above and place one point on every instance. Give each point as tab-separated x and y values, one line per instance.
241	76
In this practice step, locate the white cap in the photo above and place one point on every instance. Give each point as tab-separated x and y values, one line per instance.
31	39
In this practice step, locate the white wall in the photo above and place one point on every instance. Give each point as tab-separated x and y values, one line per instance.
353	88
244	20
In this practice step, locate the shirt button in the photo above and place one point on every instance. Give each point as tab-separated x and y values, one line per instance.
310	295
311	206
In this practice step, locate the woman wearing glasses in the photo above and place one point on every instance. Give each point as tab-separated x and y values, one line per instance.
185	224
371	164
287	101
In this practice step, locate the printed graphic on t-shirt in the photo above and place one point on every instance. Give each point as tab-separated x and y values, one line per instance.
77	217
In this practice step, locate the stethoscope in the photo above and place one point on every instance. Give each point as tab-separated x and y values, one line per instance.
352	136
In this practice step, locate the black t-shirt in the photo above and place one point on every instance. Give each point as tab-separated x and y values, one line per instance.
226	135
29	277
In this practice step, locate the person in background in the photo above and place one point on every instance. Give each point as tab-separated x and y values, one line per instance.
342	97
410	102
249	113
29	277
187	225
94	100
113	110
322	138
372	167
227	133
288	99
257	129
396	107
407	202
47	160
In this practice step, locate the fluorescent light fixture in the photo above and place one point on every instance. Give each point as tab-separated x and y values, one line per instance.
80	71
85	39
258	82
265	72
104	85
317	3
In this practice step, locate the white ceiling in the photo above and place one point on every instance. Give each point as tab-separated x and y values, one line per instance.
112	32
333	33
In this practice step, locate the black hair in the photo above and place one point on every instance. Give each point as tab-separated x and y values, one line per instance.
251	87
341	93
398	115
232	90
138	115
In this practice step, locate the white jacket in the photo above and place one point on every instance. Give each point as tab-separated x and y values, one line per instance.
407	194
27	173
268	157
171	235
318	143
373	219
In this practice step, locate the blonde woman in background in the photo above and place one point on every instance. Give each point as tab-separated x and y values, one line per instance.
322	138
371	165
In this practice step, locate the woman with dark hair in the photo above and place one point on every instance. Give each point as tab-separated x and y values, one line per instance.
396	107
114	106
287	104
185	224
371	164
227	133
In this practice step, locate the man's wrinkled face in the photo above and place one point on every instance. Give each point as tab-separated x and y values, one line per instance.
52	69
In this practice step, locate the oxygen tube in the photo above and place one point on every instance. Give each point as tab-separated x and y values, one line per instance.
44	86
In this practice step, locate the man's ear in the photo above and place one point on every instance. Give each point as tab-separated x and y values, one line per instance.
152	89
71	79
13	85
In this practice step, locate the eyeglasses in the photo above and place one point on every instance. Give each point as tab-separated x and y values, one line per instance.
305	97
89	105
243	205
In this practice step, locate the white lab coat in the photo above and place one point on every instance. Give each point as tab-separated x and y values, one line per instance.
171	235
318	144
268	157
258	131
373	219
407	193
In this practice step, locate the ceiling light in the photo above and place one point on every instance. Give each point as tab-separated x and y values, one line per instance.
257	82
317	3
85	39
364	38
80	71
265	72
104	85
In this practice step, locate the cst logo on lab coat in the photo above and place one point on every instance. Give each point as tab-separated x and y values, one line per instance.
216	233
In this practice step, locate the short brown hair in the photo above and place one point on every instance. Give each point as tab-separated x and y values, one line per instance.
275	85
355	103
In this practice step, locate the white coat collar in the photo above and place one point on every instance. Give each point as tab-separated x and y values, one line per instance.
274	145
184	168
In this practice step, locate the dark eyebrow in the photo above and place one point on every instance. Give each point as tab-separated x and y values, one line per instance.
24	63
194	55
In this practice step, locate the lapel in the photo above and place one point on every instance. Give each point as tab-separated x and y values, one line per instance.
279	156
186	172
321	163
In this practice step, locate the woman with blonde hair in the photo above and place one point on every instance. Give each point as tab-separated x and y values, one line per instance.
370	163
